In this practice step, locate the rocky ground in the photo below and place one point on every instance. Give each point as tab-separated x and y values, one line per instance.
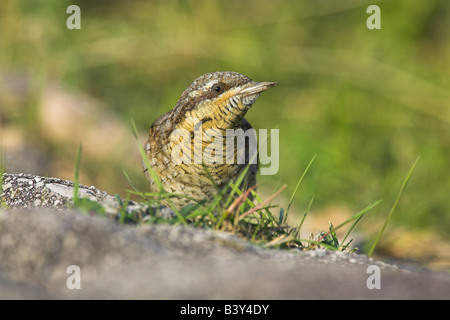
41	238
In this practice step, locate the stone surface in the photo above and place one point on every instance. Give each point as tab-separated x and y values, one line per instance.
29	191
163	261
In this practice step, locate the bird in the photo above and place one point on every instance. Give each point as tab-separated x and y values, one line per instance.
187	146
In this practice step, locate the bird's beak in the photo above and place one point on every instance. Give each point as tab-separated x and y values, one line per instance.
257	87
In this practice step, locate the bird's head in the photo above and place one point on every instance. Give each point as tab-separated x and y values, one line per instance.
224	97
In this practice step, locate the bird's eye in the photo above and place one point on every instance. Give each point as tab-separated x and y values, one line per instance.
218	88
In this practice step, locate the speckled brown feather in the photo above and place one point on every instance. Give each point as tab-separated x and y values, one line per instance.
215	111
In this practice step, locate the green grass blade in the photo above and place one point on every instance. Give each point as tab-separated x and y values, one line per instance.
394	206
237	183
76	177
127	177
155	177
269	215
350	230
299	183
208	174
355	216
304	216
145	159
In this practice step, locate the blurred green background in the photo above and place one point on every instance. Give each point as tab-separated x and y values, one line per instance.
367	102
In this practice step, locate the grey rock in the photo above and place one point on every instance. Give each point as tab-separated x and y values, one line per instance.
29	191
162	261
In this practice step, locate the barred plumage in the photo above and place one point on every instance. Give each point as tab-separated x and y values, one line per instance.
216	102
